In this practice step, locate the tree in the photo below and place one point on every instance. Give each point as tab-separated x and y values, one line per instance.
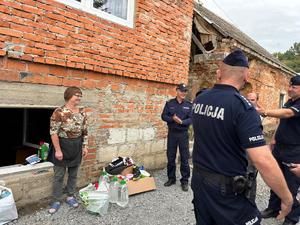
291	57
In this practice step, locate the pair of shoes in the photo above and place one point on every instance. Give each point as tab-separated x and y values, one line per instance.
185	187
71	201
54	207
169	183
287	222
268	213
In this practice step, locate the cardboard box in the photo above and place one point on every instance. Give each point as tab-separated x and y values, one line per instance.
141	185
127	170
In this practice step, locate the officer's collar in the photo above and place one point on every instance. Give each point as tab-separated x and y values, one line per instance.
225	87
178	101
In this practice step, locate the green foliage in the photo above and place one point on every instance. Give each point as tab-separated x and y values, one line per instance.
291	57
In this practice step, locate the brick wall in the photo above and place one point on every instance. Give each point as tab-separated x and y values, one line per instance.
124	113
48	32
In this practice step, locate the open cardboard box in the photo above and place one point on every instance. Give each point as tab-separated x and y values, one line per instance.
138	186
141	185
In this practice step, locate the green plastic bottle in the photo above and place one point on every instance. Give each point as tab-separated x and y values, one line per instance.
43	151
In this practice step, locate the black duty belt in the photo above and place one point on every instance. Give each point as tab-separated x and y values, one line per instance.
228	185
213	177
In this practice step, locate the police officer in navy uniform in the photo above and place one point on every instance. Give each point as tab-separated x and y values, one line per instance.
177	114
286	150
226	125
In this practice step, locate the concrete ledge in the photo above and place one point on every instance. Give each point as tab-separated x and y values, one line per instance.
18	168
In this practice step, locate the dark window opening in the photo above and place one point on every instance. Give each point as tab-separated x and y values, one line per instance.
22	130
281	100
194	49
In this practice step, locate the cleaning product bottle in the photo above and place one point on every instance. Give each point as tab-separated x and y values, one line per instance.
123	194
103	182
113	190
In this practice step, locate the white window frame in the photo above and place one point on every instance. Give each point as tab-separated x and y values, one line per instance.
87	6
282	93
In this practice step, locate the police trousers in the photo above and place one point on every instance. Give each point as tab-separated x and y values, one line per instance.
289	154
178	139
214	207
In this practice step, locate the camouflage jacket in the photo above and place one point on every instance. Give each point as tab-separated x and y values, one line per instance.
67	124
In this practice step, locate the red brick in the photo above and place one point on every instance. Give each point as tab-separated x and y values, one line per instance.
32	37
53	80
35	78
2	52
39	59
58	30
71	82
88	84
16	65
10	32
38	68
8	75
50	61
45	46
34	51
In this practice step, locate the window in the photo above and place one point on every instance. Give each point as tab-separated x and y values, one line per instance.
22	130
118	11
281	99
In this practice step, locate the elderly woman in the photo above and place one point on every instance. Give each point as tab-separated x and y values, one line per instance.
68	130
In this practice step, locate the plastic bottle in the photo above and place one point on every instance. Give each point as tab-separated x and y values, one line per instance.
44	151
123	194
113	190
103	182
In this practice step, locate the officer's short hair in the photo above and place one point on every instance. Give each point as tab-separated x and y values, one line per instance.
70	91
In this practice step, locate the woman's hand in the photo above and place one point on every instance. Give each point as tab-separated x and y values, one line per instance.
59	155
84	152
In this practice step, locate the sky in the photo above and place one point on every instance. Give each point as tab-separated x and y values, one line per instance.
274	24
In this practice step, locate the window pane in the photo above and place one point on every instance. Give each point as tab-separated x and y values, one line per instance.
115	7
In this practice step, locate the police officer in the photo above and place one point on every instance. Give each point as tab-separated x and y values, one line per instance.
251	170
177	114
226	125
287	149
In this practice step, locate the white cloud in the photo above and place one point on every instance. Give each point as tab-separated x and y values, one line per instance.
272	23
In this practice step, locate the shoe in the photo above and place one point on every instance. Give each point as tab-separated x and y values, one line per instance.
54	207
268	213
185	187
72	202
169	183
287	222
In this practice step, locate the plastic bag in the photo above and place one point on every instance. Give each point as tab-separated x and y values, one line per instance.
8	210
94	201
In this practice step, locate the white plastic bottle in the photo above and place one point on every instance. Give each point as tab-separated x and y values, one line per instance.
103	182
123	194
113	190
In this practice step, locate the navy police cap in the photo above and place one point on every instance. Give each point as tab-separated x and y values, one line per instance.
236	58
181	87
295	80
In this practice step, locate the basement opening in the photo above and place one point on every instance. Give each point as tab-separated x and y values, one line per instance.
22	130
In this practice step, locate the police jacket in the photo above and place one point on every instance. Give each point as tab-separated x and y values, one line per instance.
225	125
288	131
182	110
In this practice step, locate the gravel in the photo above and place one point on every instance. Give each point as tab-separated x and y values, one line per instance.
170	206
